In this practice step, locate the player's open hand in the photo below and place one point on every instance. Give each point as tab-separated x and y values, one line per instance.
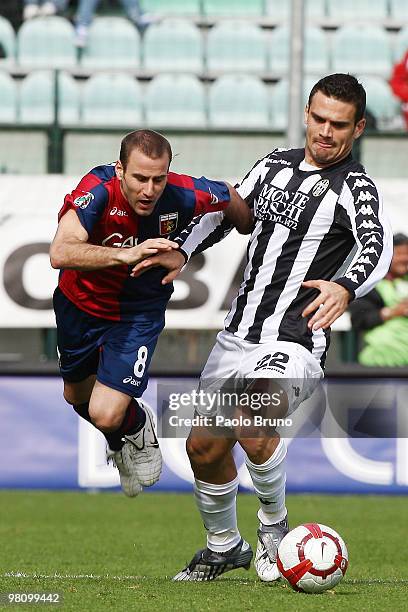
329	305
147	248
172	260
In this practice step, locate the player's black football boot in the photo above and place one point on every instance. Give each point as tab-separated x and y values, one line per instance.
208	565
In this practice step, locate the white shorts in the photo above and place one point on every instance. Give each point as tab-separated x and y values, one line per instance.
237	361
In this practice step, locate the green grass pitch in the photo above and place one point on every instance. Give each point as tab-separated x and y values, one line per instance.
106	552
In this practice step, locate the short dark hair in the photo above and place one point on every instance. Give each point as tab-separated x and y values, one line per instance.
400	239
344	87
151	143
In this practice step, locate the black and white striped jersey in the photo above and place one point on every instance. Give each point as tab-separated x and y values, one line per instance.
309	224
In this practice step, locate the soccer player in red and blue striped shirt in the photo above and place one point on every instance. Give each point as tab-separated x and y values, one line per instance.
108	321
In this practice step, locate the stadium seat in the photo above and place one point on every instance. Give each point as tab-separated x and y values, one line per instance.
173	7
37	98
113	42
316	55
175	100
315	10
8	97
401	44
112	99
380	100
173	45
279	10
361	10
280	102
46	42
316	59
7	43
237	46
233	8
361	49
238	101
399	10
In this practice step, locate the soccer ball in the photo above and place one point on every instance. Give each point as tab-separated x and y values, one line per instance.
312	558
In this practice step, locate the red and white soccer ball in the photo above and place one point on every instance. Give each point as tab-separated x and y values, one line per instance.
312	558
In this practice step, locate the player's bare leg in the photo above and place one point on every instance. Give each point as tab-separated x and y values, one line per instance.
128	427
215	491
133	444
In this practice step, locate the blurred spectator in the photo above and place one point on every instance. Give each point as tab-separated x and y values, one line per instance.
399	85
87	8
382	314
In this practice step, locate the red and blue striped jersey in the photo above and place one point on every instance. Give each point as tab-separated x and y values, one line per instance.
109	220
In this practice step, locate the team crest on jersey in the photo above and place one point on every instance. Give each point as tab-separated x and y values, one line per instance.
168	223
320	187
84	200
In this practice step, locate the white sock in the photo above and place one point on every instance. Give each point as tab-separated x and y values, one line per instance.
269	481
217	506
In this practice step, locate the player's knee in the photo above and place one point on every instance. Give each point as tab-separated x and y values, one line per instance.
69	397
105	420
256	449
204	453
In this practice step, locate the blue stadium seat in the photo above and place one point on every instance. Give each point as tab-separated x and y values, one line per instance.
233	8
113	42
361	49
357	10
316	54
46	42
236	46
175	100
381	102
112	99
173	45
173	7
37	98
8	97
238	101
7	43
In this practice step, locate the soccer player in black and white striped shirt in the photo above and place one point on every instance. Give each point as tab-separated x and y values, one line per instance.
320	240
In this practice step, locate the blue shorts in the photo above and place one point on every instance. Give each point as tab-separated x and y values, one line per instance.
119	353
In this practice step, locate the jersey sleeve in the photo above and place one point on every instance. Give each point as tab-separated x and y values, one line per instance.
249	185
88	199
202	194
206	230
361	211
203	232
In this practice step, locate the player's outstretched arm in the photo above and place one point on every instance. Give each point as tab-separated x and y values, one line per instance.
329	305
71	249
238	212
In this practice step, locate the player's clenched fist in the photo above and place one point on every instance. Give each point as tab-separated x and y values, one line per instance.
146	249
